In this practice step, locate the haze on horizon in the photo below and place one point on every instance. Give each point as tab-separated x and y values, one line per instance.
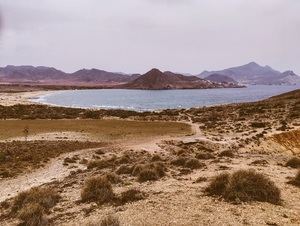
135	35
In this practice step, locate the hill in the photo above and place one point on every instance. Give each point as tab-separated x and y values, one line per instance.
155	79
220	78
253	73
50	75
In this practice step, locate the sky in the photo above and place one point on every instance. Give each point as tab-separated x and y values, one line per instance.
133	36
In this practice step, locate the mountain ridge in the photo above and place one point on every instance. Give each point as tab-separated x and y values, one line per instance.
255	74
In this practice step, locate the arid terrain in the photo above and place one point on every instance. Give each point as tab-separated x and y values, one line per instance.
64	166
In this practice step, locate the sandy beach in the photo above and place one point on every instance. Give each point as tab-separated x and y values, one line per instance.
25	98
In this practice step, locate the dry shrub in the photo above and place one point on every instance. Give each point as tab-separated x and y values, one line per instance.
218	185
147	172
180	161
205	155
32	215
193	163
244	185
296	180
131	195
294	162
30	206
113	178
227	153
124	169
110	220
200	179
97	189
156	158
45	197
100	164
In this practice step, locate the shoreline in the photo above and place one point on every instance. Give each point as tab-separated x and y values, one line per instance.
24	98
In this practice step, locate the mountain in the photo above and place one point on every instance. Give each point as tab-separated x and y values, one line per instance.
30	73
50	75
254	73
155	80
100	76
220	78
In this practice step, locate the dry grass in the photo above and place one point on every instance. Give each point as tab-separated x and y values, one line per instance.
296	180
131	195
110	220
21	156
97	189
108	130
294	162
30	206
245	186
149	172
45	197
32	215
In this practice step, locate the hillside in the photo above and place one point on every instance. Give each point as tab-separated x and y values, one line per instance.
50	75
220	78
155	79
253	73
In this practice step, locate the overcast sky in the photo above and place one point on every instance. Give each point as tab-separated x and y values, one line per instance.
136	35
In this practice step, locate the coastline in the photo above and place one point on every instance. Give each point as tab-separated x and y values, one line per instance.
24	98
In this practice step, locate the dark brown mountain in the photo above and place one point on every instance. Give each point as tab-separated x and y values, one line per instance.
220	78
155	80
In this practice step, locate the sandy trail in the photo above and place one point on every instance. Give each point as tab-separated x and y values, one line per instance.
54	170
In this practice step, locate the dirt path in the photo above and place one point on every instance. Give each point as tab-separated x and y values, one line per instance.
54	170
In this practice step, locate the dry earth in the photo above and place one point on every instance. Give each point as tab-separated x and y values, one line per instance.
262	136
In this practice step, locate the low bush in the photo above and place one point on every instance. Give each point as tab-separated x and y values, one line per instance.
205	155
293	162
30	206
191	163
97	189
124	169
113	178
227	153
244	185
296	180
32	215
100	164
147	172
131	195
45	197
110	220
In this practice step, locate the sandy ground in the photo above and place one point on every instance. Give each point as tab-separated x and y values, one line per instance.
174	199
9	99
